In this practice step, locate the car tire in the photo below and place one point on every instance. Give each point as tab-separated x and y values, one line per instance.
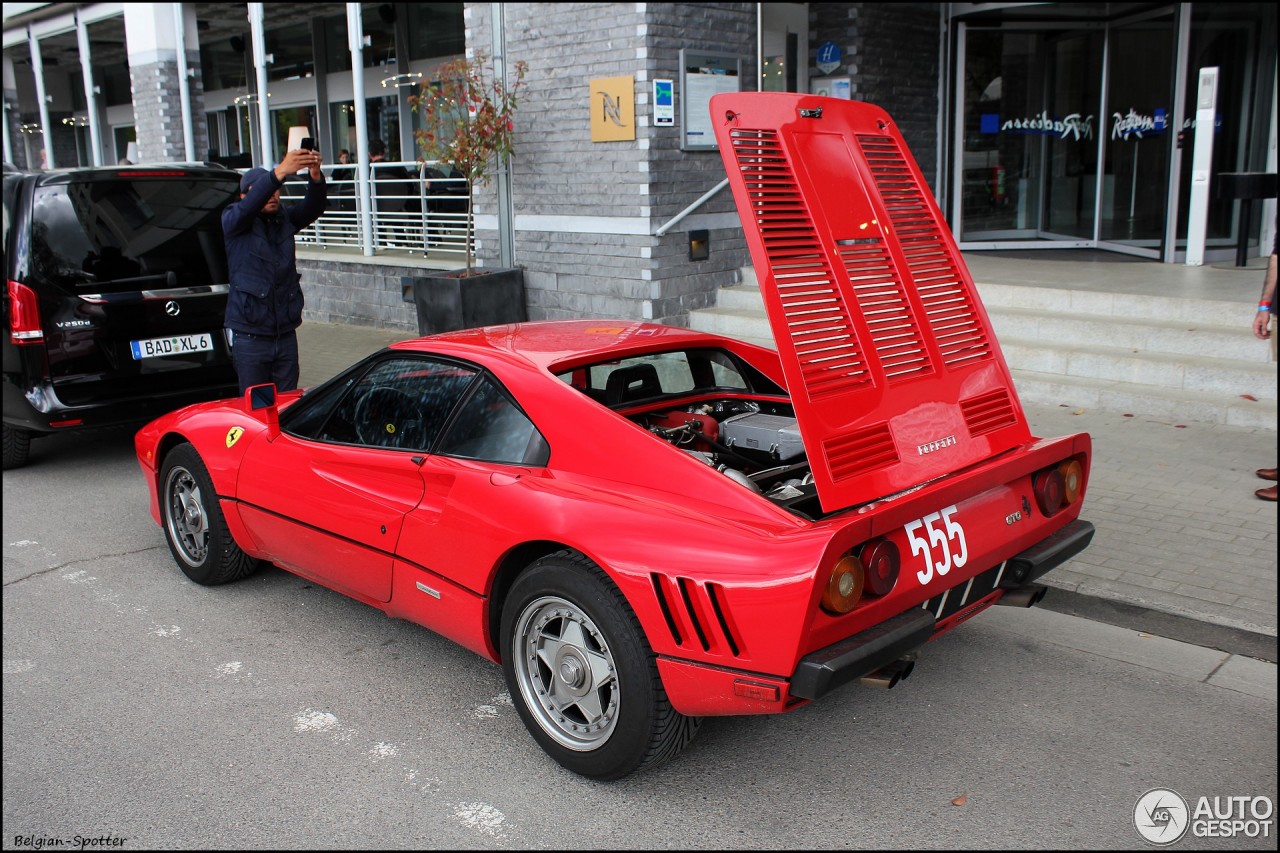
193	523
581	674
17	446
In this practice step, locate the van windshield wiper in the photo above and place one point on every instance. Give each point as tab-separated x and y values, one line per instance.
170	278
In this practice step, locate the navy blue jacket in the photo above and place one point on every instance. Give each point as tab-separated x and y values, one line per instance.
266	297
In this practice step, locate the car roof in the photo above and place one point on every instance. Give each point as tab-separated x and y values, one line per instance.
555	345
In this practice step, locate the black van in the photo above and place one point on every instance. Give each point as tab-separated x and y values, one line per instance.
115	296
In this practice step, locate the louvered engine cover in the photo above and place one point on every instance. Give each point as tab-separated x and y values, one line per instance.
889	356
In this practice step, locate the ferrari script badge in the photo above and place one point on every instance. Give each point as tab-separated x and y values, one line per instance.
233	435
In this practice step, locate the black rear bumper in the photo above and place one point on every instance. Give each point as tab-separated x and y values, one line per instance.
826	669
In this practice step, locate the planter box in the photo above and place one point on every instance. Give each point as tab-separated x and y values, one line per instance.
447	301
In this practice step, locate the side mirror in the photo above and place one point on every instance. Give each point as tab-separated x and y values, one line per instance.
262	398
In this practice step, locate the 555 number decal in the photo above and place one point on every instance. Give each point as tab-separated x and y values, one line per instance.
941	542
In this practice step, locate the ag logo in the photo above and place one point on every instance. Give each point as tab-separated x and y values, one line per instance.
1161	816
233	435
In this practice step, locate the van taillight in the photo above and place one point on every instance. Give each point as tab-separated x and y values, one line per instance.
24	315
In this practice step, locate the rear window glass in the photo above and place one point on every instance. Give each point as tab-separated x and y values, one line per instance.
660	374
132	232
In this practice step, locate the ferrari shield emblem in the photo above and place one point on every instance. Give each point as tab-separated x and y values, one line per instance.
233	435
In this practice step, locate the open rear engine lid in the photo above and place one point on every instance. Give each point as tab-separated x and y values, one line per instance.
889	356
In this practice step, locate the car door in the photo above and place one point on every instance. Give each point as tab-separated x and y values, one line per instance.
475	502
328	497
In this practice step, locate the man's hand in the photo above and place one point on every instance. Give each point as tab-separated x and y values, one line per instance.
297	160
1261	321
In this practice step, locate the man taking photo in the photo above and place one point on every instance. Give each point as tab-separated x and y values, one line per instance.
264	307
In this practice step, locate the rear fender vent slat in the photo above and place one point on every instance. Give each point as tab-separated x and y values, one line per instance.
665	605
687	602
715	593
692	610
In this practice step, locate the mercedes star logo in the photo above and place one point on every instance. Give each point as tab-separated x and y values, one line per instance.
172	308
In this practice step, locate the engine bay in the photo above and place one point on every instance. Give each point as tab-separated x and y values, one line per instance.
754	442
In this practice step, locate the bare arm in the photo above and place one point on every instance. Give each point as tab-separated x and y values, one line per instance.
1261	318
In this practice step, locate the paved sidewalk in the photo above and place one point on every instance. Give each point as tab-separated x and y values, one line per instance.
1183	548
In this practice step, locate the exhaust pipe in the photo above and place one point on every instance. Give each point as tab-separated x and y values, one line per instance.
1028	595
890	674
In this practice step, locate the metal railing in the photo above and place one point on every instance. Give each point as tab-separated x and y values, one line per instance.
706	197
411	211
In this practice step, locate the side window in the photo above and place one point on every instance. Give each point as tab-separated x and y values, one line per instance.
399	403
491	428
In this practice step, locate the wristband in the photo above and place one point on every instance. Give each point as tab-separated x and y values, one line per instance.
1264	307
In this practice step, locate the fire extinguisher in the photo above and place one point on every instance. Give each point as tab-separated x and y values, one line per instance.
997	183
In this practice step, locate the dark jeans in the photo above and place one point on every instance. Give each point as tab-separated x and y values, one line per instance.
260	360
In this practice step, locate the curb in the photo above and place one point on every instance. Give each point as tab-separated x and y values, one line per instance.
1236	641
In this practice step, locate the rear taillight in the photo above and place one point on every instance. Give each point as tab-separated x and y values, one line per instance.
1058	487
870	569
844	586
1072	480
24	315
881	561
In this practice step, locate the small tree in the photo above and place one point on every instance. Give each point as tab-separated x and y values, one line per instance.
467	121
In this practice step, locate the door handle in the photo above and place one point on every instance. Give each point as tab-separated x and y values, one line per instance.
498	478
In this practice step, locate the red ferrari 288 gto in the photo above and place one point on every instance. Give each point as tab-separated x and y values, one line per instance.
648	525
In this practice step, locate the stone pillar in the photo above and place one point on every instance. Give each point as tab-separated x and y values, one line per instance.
153	71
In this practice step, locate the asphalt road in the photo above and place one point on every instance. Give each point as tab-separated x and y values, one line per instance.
143	711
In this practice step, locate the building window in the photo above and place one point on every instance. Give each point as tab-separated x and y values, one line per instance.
436	29
337	53
290	49
287	117
222	62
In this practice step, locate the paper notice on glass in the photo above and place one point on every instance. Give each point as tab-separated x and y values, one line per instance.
698	130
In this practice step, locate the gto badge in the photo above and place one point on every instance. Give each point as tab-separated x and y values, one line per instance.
1013	518
233	435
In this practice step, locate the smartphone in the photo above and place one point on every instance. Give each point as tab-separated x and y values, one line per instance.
307	143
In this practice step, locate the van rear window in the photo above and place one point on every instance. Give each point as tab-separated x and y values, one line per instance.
116	234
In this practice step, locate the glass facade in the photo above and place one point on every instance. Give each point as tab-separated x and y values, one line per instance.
1067	124
1067	132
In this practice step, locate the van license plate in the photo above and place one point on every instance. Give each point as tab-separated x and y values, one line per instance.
180	345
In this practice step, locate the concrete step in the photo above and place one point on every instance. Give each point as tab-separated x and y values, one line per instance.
1168	371
1078	392
1139	335
1185	359
737	323
1175	309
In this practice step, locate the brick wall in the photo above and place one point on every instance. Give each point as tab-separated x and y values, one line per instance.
891	54
357	294
601	260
